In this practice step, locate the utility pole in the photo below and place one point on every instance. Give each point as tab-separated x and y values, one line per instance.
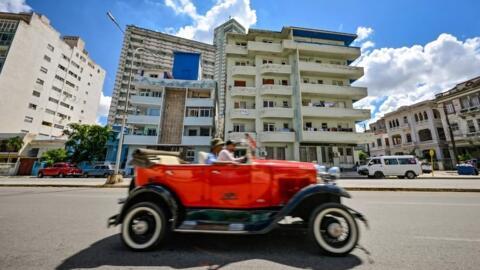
450	132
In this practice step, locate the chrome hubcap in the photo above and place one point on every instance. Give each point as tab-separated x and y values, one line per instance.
335	230
139	226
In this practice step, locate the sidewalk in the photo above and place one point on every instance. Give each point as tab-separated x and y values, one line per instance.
426	184
436	175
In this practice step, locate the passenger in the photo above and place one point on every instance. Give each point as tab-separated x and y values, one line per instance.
216	146
226	155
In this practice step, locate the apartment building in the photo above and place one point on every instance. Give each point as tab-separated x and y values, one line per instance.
413	129
46	81
460	110
158	56
219	41
291	90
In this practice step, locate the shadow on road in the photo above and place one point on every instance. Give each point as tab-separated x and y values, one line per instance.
286	247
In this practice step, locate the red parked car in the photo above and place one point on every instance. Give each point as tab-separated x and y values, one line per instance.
251	198
61	169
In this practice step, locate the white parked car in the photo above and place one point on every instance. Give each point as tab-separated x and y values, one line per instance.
400	166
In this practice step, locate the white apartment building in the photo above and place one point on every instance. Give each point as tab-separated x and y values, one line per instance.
172	115
46	81
219	41
413	129
291	90
160	57
460	110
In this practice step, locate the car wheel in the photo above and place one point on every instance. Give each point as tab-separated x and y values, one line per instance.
61	175
40	175
378	175
85	175
410	175
144	226
333	229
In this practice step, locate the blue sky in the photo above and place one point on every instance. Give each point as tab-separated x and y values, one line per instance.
412	49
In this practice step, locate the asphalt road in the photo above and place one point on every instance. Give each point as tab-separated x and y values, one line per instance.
65	228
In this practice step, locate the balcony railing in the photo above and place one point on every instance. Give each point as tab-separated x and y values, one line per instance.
244	70
336	91
243	113
146	100
132	139
197	121
243	91
326	49
196	140
264	47
143	119
337	137
277	136
275	68
276	112
276	89
235	49
240	135
336	112
330	69
199	102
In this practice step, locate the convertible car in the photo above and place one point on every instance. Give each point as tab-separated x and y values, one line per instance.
253	198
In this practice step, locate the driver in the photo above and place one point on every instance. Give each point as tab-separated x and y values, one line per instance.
226	155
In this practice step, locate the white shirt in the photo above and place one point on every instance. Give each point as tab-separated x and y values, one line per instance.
226	155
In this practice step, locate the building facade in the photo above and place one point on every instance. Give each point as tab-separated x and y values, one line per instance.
291	91
46	81
219	41
412	130
460	110
159	58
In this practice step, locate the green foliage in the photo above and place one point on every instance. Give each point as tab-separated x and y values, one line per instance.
54	156
87	142
464	157
362	155
14	144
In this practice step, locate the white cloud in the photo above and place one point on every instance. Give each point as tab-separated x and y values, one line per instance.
363	33
203	25
403	76
14	6
103	107
367	45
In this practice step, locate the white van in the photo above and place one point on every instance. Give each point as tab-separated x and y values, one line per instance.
400	166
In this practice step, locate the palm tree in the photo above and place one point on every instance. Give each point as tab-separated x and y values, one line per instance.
13	145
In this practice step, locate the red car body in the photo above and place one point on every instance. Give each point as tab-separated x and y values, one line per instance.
263	183
60	169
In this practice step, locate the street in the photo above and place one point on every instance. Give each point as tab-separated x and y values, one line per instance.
65	228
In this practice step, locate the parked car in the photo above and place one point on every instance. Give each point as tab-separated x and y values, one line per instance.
426	167
167	196
100	171
400	166
61	169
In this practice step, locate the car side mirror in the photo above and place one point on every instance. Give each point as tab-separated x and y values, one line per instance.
334	172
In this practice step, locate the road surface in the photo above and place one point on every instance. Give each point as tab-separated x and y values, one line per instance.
65	228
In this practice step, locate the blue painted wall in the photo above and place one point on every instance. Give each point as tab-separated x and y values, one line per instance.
186	65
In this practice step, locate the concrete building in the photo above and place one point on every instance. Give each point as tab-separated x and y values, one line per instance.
291	90
460	110
160	58
413	129
46	81
219	41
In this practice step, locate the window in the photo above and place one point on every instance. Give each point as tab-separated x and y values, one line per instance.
337	82
441	133
390	161
54	100
280	153
284	82
449	108
49	111
454	126
396	139
387	143
268	127
268	104
62	67
47	58
238	127
50	48
35	93
59	78
192	132
416	118
54	88
44	70
46	123
268	81
409	137
75	64
32	106
28	119
375	161
420	116
65	57
405	120
379	142
436	114
70	84
64	105
59	126
425	116
471	126
425	135
239	83
40	81
270	152
406	161
204	131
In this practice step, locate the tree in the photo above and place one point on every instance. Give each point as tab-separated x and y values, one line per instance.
13	145
87	142
362	155
54	156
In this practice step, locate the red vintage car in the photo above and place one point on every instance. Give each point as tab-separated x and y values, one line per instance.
251	198
61	169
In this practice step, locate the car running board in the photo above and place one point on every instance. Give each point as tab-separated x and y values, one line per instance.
202	227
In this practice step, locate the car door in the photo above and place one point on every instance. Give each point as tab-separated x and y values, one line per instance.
391	166
188	181
53	170
375	165
229	185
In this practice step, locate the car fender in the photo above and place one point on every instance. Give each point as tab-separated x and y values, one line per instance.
154	193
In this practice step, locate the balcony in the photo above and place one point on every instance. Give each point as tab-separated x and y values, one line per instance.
350	53
264	47
197	121
143	119
140	140
146	101
337	137
276	112
244	70
326	90
243	114
331	70
240	136
243	91
275	69
276	89
196	140
335	112
277	136
235	49
199	102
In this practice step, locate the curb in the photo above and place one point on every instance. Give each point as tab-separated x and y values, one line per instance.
412	189
418	178
64	185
